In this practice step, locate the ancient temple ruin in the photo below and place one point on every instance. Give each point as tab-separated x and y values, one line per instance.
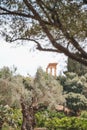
51	68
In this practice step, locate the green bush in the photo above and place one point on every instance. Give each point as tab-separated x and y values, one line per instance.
43	116
7	127
10	117
58	121
15	118
84	114
66	123
52	114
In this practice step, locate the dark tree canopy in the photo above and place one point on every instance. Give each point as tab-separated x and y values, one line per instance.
76	67
61	24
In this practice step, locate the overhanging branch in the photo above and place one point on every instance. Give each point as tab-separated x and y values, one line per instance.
82	58
39	47
52	40
8	12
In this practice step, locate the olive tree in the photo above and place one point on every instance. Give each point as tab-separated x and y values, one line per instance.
11	91
46	93
48	90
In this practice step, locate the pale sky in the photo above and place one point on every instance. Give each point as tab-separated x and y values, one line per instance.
27	62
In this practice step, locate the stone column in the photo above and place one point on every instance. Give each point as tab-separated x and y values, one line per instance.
54	71
51	70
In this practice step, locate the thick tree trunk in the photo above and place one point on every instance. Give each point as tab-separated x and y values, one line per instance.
23	127
28	117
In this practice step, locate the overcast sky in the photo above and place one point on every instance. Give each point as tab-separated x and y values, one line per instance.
27	62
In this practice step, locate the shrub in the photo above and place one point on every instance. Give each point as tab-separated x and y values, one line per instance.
15	118
53	121
66	123
41	117
84	114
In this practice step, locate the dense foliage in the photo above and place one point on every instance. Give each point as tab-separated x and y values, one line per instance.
47	92
57	25
73	89
76	67
11	116
47	89
58	121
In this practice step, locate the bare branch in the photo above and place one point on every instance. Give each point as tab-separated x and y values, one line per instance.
8	12
39	47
